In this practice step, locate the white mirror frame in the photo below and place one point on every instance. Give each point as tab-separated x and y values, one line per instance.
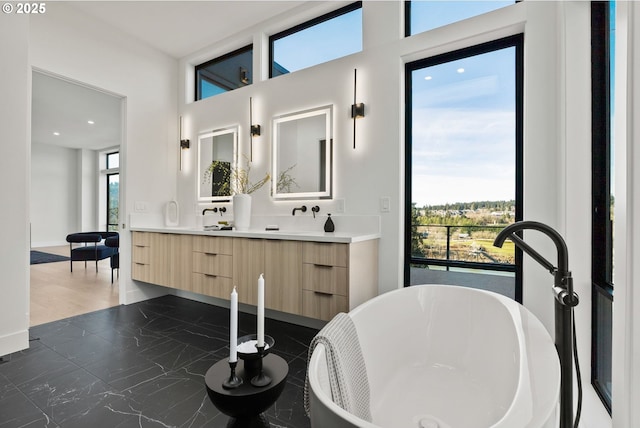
199	177
327	112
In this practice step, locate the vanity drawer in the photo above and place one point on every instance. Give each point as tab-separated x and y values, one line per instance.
140	254
326	253
140	239
141	271
213	245
213	264
325	279
323	306
212	285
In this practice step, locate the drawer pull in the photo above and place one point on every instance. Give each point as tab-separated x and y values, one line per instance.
140	246
322	266
140	264
322	293
210	275
210	254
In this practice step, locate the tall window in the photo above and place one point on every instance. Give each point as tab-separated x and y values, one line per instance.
602	257
423	15
113	190
464	166
319	40
225	73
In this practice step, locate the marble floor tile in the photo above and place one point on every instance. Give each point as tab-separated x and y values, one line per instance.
140	365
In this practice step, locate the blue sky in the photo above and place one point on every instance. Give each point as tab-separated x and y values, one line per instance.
329	40
463	133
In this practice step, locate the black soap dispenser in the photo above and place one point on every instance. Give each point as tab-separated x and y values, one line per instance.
328	225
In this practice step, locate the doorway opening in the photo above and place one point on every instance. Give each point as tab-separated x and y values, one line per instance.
76	129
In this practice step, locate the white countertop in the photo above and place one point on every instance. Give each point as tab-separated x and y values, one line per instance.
289	235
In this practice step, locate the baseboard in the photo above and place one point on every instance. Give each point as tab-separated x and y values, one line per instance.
14	342
141	291
48	244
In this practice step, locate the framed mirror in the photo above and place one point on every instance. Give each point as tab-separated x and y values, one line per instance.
217	155
302	154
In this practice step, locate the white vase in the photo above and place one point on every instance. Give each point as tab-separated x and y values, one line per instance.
242	211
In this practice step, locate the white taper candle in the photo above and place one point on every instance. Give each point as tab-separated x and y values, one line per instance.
261	311
233	328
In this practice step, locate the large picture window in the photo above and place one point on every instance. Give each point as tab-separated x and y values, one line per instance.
319	40
464	166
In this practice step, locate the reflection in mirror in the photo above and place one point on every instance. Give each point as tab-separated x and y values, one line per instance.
302	154
218	147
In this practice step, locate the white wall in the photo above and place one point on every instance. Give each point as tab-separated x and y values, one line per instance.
54	194
15	136
67	42
88	192
64	193
626	321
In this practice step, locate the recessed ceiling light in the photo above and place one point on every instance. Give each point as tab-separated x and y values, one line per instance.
90	122
428	78
461	70
56	133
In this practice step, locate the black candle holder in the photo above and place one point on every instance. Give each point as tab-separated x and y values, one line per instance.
253	360
261	379
233	381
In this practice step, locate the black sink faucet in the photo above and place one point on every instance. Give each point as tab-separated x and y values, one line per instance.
302	208
214	209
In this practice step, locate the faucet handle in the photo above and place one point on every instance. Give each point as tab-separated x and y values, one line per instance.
315	209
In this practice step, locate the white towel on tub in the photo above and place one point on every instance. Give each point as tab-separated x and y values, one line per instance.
347	371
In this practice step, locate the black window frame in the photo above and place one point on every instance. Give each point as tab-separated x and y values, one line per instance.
602	286
516	41
112	226
308	24
222	58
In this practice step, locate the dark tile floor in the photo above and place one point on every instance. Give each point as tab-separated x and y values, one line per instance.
140	365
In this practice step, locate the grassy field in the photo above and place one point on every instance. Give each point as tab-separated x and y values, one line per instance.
469	249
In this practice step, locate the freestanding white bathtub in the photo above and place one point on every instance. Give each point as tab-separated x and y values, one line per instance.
441	356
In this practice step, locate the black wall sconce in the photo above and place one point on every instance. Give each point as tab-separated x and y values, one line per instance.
357	109
254	130
244	76
184	143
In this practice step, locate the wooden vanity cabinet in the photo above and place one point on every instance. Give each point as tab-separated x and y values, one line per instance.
141	256
162	258
212	269
313	279
337	277
248	264
283	271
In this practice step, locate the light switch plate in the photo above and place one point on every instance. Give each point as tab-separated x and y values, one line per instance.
385	204
339	205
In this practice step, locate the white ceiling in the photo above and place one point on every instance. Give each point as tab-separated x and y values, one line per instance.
63	107
177	28
180	28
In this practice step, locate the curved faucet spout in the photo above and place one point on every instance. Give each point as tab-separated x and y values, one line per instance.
302	208
563	255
